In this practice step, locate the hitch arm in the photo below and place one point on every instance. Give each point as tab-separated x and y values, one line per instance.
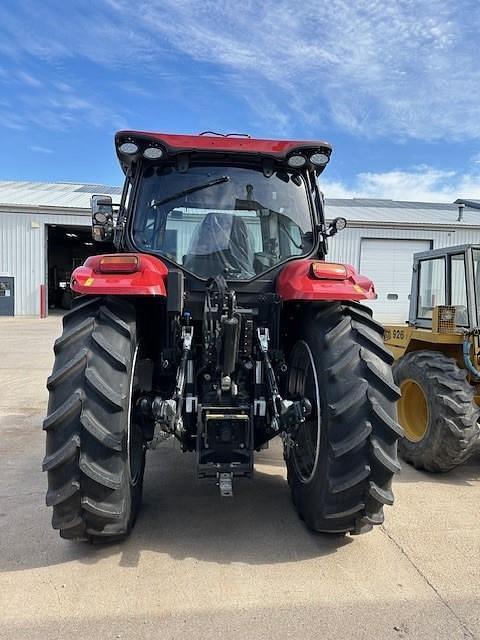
272	386
287	414
187	337
168	413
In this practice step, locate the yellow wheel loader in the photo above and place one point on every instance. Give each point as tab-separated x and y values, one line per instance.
437	359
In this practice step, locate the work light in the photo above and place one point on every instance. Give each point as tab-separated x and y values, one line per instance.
129	148
339	223
100	217
153	153
297	161
319	159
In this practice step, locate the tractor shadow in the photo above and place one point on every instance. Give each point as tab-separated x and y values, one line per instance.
181	517
186	518
465	474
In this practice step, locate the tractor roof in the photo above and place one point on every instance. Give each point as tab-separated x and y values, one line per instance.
209	143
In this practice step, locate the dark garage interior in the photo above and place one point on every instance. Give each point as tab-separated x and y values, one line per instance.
67	248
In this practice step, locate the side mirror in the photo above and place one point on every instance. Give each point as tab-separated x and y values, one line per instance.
336	225
102	218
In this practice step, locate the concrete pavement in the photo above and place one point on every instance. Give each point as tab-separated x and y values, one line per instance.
197	566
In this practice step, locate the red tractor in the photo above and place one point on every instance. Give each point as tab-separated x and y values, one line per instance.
218	322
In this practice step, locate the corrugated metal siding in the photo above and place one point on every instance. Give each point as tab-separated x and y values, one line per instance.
186	227
345	246
408	213
22	254
53	194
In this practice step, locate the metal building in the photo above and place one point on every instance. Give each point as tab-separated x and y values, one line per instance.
45	233
383	235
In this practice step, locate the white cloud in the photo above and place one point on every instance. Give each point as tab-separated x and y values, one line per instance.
135	88
401	69
423	184
10	117
39	149
29	80
58	110
59	32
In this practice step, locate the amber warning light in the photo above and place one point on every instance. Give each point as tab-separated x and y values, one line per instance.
118	264
328	271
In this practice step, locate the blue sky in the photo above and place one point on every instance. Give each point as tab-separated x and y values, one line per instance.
394	86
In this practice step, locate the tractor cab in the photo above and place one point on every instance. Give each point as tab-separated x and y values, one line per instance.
219	205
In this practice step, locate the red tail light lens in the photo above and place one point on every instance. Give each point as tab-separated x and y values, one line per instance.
118	264
328	271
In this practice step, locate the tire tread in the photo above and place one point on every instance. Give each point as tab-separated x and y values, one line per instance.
359	416
454	432
86	423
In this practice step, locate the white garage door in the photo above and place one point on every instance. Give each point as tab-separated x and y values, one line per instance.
389	264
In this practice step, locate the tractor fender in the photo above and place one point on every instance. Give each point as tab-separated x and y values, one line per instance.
148	278
297	282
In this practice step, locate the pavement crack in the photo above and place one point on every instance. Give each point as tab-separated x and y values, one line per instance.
467	632
54	587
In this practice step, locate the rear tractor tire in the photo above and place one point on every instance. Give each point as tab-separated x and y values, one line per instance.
342	459
437	411
95	453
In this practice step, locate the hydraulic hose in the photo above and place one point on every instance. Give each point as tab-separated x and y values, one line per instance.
468	361
230	338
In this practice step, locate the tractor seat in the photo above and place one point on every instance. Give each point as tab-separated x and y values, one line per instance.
221	244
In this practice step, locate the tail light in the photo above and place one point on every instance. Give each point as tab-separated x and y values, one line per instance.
328	271
118	264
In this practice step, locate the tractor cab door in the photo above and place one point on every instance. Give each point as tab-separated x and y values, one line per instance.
444	289
473	278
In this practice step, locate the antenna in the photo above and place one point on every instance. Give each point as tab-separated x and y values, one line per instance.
224	135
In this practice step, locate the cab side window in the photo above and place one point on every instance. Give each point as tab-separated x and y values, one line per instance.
431	289
459	288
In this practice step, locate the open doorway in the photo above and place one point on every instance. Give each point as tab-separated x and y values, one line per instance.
67	248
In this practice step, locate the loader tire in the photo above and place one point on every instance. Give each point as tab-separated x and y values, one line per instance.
437	411
341	463
95	453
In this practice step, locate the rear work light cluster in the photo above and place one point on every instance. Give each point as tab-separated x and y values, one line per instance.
328	271
119	264
318	158
296	157
152	152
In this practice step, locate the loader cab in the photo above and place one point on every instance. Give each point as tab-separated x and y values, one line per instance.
437	358
446	289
